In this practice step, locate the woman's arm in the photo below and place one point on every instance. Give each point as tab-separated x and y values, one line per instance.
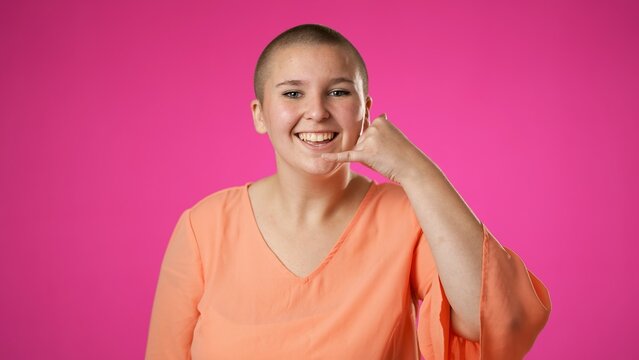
455	238
179	289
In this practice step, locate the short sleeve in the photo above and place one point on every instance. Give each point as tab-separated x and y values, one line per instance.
179	289
514	306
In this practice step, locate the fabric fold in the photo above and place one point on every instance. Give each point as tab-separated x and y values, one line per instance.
515	306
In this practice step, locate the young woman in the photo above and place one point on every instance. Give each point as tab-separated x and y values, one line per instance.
317	261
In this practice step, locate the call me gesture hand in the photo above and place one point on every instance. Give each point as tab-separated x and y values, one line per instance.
453	232
383	148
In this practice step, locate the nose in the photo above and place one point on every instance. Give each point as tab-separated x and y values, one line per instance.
316	108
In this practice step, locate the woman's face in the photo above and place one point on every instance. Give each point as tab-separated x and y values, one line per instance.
311	93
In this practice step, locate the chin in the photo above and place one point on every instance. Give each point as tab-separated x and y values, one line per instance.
308	164
320	167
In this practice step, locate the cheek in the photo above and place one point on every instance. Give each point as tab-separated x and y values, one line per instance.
351	114
282	117
353	109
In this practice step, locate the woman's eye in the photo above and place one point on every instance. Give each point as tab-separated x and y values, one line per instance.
340	92
292	94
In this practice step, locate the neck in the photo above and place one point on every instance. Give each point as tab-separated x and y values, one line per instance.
311	199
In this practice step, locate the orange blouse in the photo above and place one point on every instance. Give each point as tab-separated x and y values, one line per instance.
223	294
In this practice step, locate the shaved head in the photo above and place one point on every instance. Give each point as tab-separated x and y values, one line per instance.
306	34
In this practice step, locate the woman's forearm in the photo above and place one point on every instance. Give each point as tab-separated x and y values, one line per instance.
455	238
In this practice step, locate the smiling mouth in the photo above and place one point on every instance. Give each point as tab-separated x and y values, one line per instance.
317	139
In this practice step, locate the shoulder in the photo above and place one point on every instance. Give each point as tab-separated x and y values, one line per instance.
222	197
391	198
391	189
390	193
220	206
389	215
393	202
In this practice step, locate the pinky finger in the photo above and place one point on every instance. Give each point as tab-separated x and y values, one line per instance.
344	156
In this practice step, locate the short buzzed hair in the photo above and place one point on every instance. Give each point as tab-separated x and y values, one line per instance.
314	34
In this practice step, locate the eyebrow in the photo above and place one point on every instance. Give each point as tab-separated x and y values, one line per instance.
301	82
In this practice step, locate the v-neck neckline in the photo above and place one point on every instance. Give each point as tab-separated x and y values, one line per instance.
336	246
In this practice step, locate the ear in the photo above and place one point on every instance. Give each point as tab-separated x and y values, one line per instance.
367	114
258	120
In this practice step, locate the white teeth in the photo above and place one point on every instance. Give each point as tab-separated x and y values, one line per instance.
316	136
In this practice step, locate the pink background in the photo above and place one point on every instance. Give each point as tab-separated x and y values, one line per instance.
117	115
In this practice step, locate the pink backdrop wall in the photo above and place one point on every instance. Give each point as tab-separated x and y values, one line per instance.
117	115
